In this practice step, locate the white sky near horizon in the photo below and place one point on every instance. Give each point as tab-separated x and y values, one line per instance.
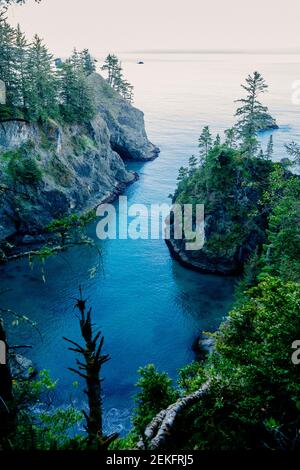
139	25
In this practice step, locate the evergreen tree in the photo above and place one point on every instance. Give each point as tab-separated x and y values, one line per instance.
115	77
42	92
270	148
88	62
21	58
293	150
193	162
7	58
75	59
111	66
75	96
205	143
182	174
230	138
252	115
217	141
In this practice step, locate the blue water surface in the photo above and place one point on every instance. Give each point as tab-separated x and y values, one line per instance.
149	308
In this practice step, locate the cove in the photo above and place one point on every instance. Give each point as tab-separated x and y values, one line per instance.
149	308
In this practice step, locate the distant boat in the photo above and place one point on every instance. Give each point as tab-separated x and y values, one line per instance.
140	62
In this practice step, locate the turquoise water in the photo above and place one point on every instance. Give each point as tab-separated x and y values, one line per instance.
149	308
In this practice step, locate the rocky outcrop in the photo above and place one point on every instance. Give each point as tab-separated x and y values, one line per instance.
269	124
205	262
125	123
222	253
235	218
21	367
79	166
202	346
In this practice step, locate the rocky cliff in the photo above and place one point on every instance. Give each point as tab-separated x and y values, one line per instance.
125	123
56	169
233	190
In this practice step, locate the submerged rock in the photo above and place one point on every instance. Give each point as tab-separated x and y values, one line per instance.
21	367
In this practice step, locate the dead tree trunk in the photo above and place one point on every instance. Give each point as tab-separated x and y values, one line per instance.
90	371
159	430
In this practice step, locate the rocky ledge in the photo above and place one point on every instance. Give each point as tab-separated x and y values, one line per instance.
203	261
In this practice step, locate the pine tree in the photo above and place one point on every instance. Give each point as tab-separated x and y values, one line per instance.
7	59
205	143
252	115
230	137
75	96
42	93
217	141
193	162
270	148
115	77
88	62
293	150
182	174
21	58
111	66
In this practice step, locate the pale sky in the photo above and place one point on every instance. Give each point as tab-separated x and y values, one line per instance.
134	25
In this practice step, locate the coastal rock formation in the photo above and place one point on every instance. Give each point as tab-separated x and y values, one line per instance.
235	215
21	367
125	122
202	346
56	169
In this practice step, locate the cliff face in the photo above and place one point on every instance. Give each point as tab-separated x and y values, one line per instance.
125	123
55	170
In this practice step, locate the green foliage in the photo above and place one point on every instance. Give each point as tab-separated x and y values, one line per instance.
41	99
254	392
75	96
191	377
51	428
232	190
23	169
156	393
252	115
293	149
115	77
205	143
124	443
281	254
270	147
88	62
35	90
230	138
